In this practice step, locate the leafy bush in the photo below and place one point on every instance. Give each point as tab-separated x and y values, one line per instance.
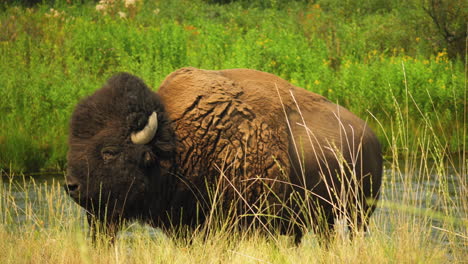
366	60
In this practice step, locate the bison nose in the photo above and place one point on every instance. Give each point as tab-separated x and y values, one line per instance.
72	188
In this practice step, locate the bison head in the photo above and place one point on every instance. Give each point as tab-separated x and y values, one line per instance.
120	138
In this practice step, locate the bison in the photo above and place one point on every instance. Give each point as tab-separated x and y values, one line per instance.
268	154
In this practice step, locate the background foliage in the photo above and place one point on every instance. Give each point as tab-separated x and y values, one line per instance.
371	56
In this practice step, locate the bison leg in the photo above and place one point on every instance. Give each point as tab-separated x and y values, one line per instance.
298	234
93	226
362	221
108	229
325	230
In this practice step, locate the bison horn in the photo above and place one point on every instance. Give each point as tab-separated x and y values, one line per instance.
147	133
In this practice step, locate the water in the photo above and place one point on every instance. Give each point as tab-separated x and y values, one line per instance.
34	201
38	201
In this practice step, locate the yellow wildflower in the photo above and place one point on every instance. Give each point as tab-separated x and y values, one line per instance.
442	56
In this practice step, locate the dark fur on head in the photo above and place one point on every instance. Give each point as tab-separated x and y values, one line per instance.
101	148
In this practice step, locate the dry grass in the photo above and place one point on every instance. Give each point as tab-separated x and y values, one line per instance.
422	218
406	244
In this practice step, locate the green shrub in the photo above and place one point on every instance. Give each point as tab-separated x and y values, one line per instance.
367	60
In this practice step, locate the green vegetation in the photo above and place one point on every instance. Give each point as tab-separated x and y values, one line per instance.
385	60
367	59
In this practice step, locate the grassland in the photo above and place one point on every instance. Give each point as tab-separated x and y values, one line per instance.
370	58
422	218
383	60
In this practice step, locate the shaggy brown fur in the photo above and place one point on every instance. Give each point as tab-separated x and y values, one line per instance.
276	156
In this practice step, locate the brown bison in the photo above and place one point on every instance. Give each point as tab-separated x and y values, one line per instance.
269	155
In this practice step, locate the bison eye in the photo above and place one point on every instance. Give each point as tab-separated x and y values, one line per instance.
109	153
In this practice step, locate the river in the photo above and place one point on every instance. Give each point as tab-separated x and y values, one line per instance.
435	198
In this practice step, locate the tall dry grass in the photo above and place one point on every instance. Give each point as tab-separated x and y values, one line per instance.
422	217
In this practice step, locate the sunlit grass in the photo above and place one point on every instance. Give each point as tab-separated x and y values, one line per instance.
397	235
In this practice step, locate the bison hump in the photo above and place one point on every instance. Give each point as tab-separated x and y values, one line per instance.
226	126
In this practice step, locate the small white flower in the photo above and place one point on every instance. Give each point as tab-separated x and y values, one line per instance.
129	3
122	15
101	7
156	11
53	13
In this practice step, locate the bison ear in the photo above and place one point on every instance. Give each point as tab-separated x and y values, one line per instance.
145	135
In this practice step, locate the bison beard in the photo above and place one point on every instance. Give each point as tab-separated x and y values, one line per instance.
239	143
